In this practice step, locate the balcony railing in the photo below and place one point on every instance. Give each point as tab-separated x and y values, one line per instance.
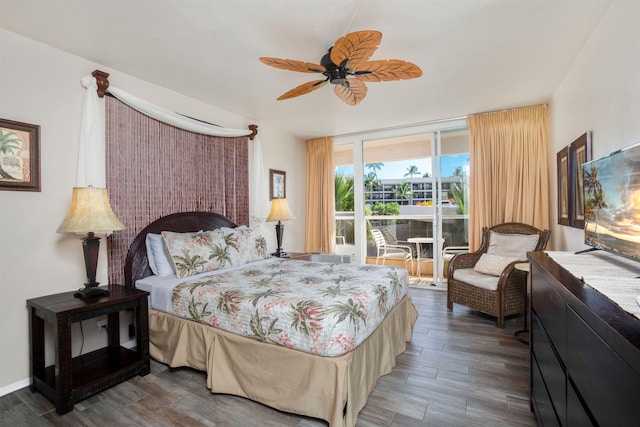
454	229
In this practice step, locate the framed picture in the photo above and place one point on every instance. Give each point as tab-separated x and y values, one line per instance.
563	186
570	181
579	153
277	184
19	156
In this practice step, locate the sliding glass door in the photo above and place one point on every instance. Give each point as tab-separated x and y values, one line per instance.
412	188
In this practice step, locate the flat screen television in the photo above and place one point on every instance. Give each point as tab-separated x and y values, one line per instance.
611	192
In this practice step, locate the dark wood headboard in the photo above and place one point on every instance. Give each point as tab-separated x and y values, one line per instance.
137	264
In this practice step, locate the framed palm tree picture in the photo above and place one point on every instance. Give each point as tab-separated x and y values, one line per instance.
579	153
19	156
570	181
563	186
277	184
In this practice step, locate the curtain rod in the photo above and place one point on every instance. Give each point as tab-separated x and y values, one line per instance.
509	109
102	81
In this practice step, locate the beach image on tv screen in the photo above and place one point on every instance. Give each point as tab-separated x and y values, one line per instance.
612	202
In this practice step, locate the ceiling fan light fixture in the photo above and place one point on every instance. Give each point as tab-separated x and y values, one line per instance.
352	50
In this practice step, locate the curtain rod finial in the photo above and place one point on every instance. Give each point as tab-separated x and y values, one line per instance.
102	79
254	131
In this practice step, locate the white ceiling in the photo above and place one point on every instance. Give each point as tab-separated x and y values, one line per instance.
476	55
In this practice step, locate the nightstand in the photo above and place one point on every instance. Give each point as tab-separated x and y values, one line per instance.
72	379
320	257
298	255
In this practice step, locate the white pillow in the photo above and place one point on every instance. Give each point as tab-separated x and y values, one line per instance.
512	245
158	256
492	264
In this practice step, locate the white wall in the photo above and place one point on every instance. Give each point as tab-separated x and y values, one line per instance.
41	85
601	93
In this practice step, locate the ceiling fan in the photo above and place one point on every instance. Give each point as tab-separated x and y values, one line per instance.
347	66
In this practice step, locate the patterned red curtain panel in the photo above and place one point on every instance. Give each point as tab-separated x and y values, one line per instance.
154	169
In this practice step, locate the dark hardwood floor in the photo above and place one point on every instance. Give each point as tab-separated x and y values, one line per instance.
459	370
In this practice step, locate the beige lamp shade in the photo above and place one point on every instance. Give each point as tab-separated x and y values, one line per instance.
90	212
279	211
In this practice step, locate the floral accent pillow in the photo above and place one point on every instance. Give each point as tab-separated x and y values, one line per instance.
246	244
194	253
492	264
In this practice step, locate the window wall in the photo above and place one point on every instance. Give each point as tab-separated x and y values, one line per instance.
412	185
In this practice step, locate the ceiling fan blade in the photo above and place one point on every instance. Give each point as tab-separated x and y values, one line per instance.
293	65
387	69
303	89
353	94
356	47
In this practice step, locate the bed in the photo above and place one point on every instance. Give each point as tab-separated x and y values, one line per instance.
326	385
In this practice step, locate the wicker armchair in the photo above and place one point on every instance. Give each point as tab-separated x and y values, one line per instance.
509	296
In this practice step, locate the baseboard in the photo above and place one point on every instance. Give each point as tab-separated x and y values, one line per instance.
15	386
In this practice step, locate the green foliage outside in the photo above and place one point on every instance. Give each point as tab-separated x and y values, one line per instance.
344	193
459	189
412	170
404	192
380	208
459	195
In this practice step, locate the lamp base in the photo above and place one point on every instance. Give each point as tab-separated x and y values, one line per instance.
280	254
279	231
91	292
90	247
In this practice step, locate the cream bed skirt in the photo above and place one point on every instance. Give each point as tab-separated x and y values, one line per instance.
331	388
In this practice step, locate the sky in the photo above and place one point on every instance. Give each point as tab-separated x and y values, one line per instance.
396	170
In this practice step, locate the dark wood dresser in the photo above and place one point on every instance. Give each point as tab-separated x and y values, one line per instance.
584	349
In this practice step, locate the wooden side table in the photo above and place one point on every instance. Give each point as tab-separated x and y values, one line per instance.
304	256
72	379
319	257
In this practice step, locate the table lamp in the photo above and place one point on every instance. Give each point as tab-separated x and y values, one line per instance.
279	212
91	213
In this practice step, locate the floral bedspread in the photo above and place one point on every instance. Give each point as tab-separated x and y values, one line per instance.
321	308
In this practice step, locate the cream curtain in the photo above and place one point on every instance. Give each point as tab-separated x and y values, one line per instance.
509	178
320	229
91	157
181	122
259	185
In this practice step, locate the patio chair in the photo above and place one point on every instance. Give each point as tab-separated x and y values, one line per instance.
448	253
386	251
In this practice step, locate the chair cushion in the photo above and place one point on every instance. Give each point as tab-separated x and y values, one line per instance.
512	245
479	280
492	264
389	237
391	253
